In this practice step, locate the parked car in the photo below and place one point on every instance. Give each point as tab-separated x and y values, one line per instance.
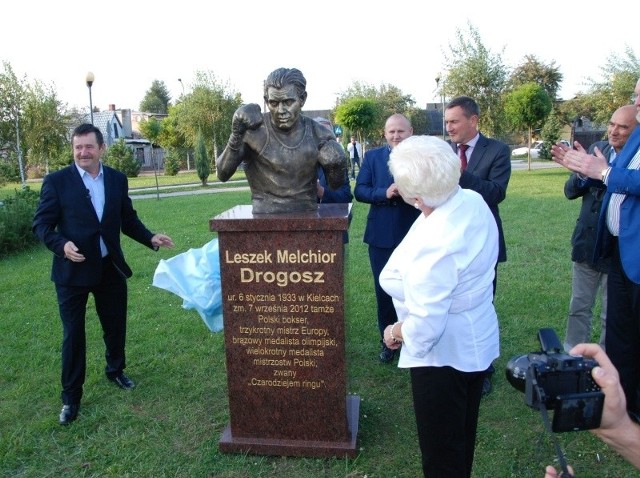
535	149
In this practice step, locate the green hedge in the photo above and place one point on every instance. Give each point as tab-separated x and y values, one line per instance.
16	216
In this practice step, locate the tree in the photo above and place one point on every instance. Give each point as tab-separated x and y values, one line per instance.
533	70
12	97
202	159
171	138
151	129
613	90
550	133
156	99
476	72
388	99
419	120
45	128
526	107
207	110
358	115
33	121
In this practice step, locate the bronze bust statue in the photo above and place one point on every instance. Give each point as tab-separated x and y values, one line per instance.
282	149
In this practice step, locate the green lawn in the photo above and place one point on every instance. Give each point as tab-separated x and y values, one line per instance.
169	426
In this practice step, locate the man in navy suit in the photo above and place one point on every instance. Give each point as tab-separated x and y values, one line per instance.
486	169
389	216
327	195
619	238
82	210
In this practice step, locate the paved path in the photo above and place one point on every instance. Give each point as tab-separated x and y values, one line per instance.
152	192
520	164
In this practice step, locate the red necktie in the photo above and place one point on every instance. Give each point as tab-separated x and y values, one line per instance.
462	152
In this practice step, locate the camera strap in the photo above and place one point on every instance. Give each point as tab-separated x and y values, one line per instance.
556	444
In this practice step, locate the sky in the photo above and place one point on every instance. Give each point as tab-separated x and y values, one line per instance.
129	44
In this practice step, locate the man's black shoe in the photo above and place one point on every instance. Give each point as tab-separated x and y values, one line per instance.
69	413
387	355
123	382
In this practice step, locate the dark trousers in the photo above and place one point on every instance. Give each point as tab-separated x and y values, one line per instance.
446	404
110	297
354	161
622	338
378	256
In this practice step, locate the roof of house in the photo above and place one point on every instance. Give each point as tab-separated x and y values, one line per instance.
103	121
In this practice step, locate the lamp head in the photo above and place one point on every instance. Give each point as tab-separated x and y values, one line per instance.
89	79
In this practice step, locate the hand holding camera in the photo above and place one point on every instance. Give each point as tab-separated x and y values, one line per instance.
559	382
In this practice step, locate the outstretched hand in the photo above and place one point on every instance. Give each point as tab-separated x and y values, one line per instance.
162	240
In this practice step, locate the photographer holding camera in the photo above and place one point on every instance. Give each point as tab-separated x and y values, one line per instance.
616	427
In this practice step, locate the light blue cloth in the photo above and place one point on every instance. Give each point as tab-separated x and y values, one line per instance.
195	277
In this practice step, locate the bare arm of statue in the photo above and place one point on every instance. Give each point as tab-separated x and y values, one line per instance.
334	162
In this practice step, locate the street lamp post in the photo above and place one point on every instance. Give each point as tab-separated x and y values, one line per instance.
19	148
438	78
188	165
89	78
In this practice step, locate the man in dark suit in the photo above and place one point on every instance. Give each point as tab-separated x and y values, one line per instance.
82	210
618	237
327	195
389	216
486	169
588	274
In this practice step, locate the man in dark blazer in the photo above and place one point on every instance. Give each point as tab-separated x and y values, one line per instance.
389	216
342	195
82	210
589	274
486	169
618	237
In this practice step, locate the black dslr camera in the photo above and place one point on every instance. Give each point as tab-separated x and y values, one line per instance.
559	382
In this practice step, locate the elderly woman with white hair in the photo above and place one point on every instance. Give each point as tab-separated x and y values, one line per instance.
441	280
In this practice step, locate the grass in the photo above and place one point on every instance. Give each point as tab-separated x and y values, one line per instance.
171	423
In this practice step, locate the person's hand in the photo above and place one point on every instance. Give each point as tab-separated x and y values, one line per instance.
614	413
578	161
162	240
72	253
559	149
392	191
245	118
388	340
319	189
550	472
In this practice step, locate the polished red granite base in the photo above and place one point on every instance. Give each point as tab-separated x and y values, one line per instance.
284	326
308	448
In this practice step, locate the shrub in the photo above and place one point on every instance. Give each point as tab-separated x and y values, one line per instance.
120	157
202	159
16	217
9	171
171	163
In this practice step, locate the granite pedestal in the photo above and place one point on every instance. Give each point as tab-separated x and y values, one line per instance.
283	307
